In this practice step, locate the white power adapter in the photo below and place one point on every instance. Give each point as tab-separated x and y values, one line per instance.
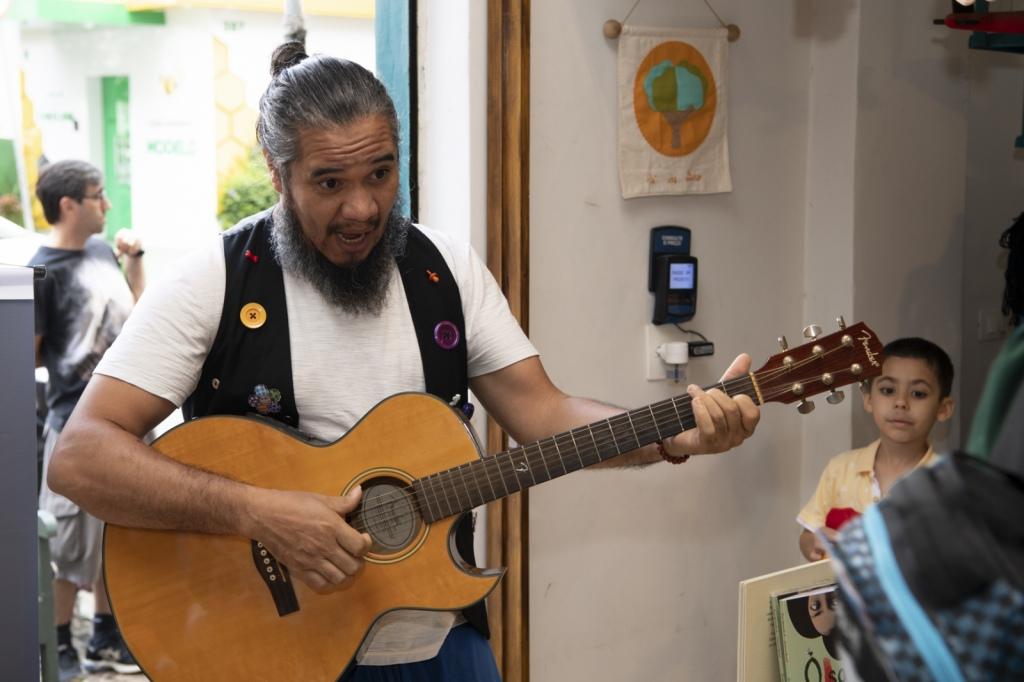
674	353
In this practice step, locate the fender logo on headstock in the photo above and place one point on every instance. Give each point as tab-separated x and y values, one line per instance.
865	340
849	355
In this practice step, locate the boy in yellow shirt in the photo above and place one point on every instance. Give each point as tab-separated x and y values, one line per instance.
905	401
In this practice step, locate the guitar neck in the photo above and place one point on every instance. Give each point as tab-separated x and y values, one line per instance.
470	485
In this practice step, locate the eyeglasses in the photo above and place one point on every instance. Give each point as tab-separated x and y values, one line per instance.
98	196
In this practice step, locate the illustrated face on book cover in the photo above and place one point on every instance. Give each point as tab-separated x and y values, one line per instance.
815	616
822	610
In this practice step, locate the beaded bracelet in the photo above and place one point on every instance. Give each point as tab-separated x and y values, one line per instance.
671	459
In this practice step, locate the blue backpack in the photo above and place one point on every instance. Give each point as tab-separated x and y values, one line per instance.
931	579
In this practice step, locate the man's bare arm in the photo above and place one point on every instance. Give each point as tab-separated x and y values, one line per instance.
101	462
135	274
529	406
128	244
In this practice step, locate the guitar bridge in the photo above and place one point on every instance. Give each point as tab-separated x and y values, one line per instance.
275	575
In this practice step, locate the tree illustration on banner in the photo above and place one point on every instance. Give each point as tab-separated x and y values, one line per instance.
672	105
674	98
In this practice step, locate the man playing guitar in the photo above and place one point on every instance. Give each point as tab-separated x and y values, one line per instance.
311	313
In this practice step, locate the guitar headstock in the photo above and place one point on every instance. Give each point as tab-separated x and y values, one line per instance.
825	363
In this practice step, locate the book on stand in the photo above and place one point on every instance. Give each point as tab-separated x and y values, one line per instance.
757	659
805	636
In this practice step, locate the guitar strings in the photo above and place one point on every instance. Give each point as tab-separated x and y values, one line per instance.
546	458
376	512
435	483
492	462
661	407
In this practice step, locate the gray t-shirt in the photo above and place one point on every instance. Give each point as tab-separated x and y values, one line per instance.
80	308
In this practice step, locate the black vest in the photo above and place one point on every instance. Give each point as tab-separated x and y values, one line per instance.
249	370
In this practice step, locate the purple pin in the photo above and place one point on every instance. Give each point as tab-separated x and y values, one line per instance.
446	334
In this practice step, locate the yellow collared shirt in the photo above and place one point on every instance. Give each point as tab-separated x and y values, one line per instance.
848	481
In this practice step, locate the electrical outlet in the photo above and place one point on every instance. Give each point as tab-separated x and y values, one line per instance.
654	336
992	324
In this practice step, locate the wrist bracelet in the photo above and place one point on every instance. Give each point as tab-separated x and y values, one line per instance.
671	459
140	252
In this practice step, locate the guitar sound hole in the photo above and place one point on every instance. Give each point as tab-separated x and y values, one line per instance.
388	513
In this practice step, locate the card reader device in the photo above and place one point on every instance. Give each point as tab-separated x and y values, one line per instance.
672	275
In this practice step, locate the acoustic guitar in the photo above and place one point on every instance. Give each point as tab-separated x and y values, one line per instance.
193	606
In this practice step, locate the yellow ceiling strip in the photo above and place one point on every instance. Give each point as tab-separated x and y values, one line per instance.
355	9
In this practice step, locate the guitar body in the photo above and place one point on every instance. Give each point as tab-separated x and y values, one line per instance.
193	606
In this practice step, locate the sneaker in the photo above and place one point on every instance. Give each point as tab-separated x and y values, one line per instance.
68	664
109	652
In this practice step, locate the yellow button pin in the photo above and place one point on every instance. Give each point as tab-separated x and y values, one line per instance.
253	315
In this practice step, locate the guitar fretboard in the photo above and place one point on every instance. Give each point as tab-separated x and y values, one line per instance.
470	485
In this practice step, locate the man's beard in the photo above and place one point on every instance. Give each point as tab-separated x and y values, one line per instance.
361	289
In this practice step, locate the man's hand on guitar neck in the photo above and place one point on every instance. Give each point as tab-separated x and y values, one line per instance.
308	533
722	422
523	400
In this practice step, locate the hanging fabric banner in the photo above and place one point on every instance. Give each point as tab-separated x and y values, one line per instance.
672	111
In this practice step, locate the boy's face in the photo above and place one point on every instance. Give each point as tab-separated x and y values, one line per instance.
905	401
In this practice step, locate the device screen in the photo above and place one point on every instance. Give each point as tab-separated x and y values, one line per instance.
680	276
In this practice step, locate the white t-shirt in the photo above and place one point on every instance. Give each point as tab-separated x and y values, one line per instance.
342	365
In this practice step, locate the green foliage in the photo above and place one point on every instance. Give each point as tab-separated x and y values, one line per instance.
247	191
663	90
10	194
692	68
663	84
10	207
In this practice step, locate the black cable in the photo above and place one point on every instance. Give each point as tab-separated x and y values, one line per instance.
691	331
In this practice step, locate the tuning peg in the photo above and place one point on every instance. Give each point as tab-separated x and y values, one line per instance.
805	406
841	322
783	343
835	397
812	332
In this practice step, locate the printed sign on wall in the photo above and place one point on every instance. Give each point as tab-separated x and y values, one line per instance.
672	112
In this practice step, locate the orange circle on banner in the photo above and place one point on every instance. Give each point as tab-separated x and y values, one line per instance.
674	133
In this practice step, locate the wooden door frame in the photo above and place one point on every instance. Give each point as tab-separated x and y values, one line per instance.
508	145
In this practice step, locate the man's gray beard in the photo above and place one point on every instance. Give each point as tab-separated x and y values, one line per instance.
361	289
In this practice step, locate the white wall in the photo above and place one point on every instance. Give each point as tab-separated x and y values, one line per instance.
848	126
452	142
452	82
910	180
634	573
995	196
833	29
10	97
885	221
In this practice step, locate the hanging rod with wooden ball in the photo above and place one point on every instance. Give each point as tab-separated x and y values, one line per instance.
612	28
